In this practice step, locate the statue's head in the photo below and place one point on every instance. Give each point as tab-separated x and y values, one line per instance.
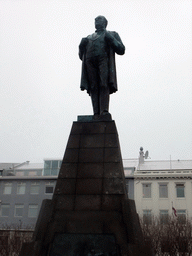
100	22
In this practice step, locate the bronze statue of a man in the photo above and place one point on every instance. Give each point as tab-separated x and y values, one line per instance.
97	52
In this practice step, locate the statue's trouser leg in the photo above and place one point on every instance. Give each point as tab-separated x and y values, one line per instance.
97	70
104	100
92	71
103	88
94	93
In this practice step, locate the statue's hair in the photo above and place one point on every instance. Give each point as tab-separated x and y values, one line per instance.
105	20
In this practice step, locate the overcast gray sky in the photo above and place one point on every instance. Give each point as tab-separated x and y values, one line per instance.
40	76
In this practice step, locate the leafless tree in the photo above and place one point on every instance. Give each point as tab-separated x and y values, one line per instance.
12	237
171	238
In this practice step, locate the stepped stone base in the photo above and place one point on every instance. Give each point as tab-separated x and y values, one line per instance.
90	213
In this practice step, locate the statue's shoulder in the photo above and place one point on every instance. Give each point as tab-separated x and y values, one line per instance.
92	36
114	33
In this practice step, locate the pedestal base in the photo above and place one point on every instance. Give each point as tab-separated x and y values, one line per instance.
90	213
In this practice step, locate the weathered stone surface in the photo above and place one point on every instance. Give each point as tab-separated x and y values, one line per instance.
87	128
90	170
111	140
89	187
65	187
83	215
113	186
65	202
111	203
68	170
84	227
112	155
113	170
43	219
92	141
74	141
71	155
88	202
91	155
111	128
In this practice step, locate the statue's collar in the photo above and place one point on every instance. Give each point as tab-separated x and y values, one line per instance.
100	31
97	34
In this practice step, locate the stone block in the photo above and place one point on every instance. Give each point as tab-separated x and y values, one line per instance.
73	141
129	212
77	128
112	155
71	155
111	127
111	140
91	155
65	202
93	127
111	203
88	202
68	170
51	230
113	186
43	219
90	170
89	187
92	141
87	226
113	170
65	187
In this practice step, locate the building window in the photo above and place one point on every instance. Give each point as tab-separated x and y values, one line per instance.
32	173
147	217
34	188
49	187
181	216
51	167
19	210
180	190
20	173
146	190
5	210
7	188
33	210
164	216
163	191
21	188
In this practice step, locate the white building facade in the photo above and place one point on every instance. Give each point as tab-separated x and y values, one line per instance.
163	188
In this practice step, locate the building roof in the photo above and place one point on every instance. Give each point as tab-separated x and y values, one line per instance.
165	165
130	163
156	165
30	166
5	166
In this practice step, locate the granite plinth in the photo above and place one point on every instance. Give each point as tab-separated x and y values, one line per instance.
90	198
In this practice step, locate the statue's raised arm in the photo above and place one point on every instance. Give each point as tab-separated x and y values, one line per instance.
97	52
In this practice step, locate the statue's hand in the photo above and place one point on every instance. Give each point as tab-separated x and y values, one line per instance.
108	36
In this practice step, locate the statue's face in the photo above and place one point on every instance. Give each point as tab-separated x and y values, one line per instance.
100	22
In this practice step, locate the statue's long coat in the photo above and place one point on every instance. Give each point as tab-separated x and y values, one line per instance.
112	81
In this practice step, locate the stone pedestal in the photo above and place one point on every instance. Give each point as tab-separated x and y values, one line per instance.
90	213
